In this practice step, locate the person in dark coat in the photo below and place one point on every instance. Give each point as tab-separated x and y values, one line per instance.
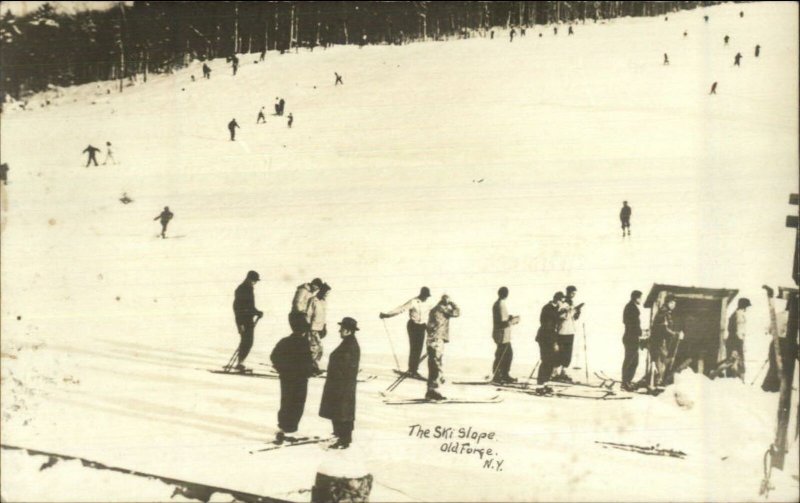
232	125
630	339
339	394
570	32
92	151
281	106
713	88
165	217
625	216
737	59
294	364
235	64
206	71
758	50
547	336
4	173
664	339
290	121
726	39
246	315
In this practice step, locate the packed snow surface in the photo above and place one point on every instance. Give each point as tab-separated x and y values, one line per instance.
461	165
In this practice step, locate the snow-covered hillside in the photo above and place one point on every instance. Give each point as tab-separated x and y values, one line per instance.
463	166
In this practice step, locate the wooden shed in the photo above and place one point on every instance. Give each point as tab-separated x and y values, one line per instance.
702	315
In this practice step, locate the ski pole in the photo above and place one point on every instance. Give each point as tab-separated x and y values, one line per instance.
585	354
228	366
391	345
502	359
759	371
402	378
534	371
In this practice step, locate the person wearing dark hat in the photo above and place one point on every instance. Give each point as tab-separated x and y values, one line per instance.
339	394
547	336
245	313
165	216
292	359
438	336
630	339
501	334
734	343
625	212
317	328
665	336
418	310
566	334
302	296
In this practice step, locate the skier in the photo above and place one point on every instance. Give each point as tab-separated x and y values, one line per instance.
501	334
206	71
737	59
569	31
4	173
705	18
522	31
438	336
277	106
418	310
165	217
281	106
261	118
317	329
566	335
664	336
758	50
338	79
511	34
339	394
263	55
630	340
549	320
737	329
555	30
92	151
290	121
666	59
713	88
109	155
491	35
246	315
302	296
292	360
741	13
726	39
125	199
235	64
625	212
232	125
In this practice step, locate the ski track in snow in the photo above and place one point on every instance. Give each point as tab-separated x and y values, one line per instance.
375	190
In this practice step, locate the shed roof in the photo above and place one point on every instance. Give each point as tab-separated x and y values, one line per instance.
689	292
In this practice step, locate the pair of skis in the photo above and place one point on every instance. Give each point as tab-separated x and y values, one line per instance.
652	450
389	400
609	383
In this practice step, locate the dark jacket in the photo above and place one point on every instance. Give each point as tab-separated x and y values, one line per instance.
232	125
663	326
625	213
339	395
244	302
165	216
549	321
633	327
292	358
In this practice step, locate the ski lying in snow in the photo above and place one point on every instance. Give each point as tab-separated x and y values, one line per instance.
517	385
409	376
246	374
609	383
411	401
293	442
592	394
652	450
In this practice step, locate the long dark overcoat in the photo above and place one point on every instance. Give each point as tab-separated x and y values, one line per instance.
339	395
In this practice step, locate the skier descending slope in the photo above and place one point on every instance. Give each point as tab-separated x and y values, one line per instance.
625	212
438	336
92	152
165	217
246	315
232	125
261	118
